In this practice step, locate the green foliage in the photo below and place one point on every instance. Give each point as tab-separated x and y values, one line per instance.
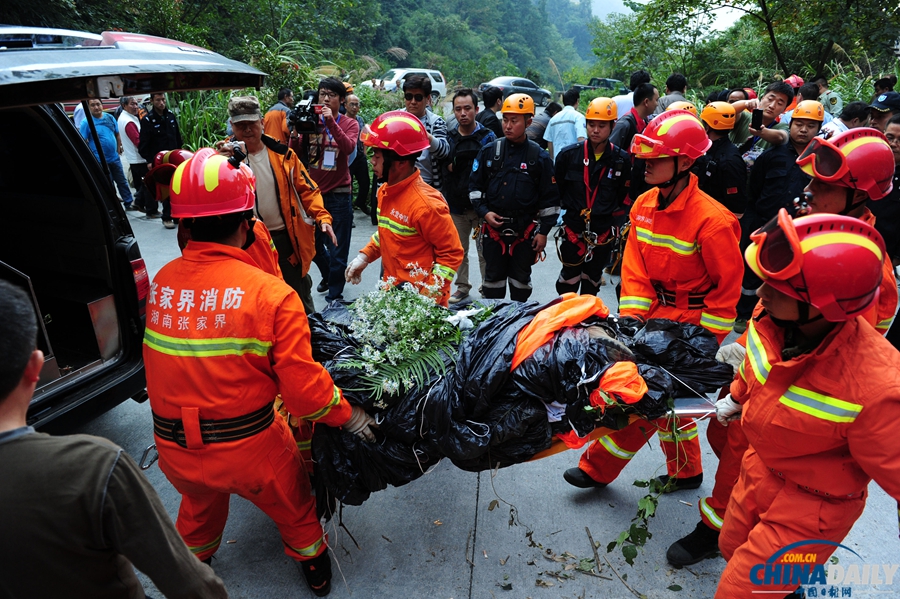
202	118
374	102
289	64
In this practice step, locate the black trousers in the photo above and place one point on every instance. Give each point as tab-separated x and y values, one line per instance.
359	170
588	274
502	264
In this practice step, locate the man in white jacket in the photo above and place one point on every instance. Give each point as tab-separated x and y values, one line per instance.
130	132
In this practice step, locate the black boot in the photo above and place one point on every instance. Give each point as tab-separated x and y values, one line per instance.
702	543
317	572
681	484
579	478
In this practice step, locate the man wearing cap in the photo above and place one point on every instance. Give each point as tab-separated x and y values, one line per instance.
287	199
883	108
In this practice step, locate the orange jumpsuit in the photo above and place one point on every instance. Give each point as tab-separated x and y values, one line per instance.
730	444
821	426
222	339
414	227
682	263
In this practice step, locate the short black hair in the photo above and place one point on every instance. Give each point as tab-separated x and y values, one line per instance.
886	83
780	87
821	80
215	228
490	95
335	85
809	91
855	110
466	92
552	108
18	335
894	120
637	78
740	90
571	97
418	82
643	92
676	82
283	93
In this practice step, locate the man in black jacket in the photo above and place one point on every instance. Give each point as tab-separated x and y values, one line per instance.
159	133
721	171
493	101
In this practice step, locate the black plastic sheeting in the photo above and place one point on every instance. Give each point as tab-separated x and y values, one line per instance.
480	415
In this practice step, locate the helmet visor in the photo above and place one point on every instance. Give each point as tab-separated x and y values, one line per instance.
775	252
645	147
822	160
368	137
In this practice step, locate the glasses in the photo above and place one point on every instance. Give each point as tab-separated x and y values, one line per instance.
324	93
417	97
353	104
892	140
775	252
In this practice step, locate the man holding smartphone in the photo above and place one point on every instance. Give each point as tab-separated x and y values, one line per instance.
765	130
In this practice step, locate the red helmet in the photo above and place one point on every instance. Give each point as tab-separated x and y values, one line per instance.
751	93
208	185
164	164
859	159
829	261
673	133
398	131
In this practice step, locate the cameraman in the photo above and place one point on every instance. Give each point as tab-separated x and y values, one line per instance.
329	149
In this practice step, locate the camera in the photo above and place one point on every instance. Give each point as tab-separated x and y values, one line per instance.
304	118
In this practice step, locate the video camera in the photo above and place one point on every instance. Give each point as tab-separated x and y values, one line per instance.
304	118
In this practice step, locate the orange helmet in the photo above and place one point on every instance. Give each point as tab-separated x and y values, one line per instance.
518	104
398	131
164	164
859	159
348	86
209	185
809	109
673	133
682	105
601	109
718	116
832	262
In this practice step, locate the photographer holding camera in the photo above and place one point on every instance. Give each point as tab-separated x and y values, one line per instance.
329	148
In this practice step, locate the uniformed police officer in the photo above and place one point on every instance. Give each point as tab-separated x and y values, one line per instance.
722	172
593	178
513	189
831	101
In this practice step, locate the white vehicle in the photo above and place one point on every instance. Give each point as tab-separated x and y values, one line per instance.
393	79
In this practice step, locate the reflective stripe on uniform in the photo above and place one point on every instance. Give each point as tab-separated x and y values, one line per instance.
679	246
376	240
756	352
205	348
714	322
820	406
443	271
319	414
310	550
395	227
304	445
211	545
741	371
885	324
610	446
687	434
548	211
710	514
634	302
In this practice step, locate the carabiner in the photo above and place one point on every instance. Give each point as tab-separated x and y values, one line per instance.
146	466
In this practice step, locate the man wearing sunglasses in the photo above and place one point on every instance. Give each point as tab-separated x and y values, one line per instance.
417	94
849	170
775	180
818	400
681	262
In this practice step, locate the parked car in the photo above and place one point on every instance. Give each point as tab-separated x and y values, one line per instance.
519	85
613	86
69	243
393	79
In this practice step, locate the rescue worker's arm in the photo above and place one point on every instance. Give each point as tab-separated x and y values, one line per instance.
305	386
311	197
437	229
638	294
440	147
134	522
720	250
872	437
886	307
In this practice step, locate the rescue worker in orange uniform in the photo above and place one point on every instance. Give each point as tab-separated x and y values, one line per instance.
414	223
681	262
223	337
863	164
818	396
592	178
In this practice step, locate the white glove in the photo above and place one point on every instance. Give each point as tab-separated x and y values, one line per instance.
353	274
360	424
727	410
733	353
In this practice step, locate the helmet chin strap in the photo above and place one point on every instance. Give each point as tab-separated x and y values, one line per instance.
664	201
803	317
850	206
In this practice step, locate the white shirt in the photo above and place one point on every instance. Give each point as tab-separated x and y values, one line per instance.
832	128
267	208
624	103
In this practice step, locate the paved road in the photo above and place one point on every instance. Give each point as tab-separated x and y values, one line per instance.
448	534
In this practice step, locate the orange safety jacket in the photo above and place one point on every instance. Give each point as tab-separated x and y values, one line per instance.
683	263
224	337
414	227
262	250
827	420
